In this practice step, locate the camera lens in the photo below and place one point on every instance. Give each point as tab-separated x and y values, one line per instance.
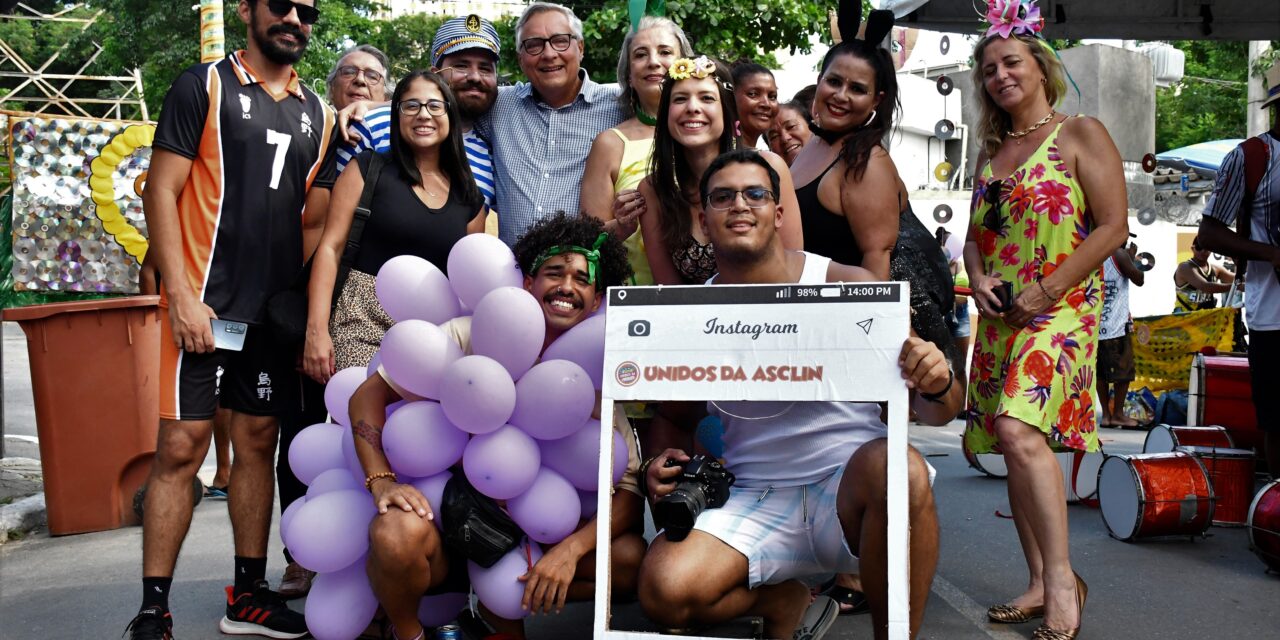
677	511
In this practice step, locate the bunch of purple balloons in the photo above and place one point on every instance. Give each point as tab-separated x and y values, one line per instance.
521	427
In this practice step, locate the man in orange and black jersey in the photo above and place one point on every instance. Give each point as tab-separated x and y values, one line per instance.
242	169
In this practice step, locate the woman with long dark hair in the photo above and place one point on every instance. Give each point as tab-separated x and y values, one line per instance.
696	116
424	201
1049	206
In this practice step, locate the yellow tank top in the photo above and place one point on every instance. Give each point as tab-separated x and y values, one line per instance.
633	169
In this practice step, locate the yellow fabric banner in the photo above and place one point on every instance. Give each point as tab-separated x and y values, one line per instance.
1163	346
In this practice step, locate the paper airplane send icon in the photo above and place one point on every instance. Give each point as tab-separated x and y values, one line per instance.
866	325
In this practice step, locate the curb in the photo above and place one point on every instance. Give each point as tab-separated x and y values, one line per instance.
22	516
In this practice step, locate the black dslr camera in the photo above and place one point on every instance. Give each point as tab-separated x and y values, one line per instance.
703	484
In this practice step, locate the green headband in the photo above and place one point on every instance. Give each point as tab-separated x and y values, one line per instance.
592	255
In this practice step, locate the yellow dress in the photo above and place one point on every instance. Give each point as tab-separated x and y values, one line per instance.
1042	373
632	170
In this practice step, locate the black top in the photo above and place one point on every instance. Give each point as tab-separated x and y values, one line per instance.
255	155
400	223
826	233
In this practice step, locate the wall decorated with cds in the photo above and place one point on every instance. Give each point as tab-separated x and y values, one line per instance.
77	202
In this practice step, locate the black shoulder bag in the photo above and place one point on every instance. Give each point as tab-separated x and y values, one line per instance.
473	524
287	309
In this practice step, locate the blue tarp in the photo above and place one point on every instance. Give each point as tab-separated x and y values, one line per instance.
1203	155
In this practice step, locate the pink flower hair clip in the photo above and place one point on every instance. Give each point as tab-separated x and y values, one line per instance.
1013	17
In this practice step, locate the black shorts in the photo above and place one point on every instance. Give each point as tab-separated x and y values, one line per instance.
1115	359
259	380
1264	352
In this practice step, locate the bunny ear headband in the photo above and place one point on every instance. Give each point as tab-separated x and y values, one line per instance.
849	19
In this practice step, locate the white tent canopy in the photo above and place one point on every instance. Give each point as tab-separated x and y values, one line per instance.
1128	20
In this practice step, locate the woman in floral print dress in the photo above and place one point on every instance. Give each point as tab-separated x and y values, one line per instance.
1049	205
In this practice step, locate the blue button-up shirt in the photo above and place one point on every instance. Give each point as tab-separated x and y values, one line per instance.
539	152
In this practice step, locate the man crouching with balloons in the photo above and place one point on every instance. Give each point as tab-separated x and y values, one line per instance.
526	441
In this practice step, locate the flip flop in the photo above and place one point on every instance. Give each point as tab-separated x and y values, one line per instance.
215	492
851	602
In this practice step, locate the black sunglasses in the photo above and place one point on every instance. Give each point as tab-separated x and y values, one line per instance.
994	219
306	14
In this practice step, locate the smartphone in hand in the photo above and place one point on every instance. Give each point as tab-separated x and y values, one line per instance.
228	335
1004	296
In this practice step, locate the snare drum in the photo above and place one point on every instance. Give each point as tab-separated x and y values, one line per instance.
1155	494
1231	474
1080	473
1164	438
1264	525
992	464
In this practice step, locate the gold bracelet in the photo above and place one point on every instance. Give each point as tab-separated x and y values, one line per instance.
369	479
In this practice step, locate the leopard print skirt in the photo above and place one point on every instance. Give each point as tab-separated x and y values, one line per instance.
358	322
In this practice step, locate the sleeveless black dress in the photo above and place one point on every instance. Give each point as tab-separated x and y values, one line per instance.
916	258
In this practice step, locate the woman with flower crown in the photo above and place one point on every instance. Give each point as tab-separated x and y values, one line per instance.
697	121
620	157
1049	206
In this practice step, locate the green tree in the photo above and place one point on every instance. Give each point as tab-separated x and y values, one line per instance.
727	30
1209	103
406	40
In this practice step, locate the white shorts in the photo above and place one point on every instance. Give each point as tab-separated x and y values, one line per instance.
785	533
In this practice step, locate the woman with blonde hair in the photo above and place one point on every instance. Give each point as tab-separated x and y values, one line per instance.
620	157
1049	206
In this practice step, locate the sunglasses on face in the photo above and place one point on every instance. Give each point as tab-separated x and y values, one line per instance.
413	107
281	8
724	199
559	42
994	219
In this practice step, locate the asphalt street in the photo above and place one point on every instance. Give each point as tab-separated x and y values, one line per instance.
87	586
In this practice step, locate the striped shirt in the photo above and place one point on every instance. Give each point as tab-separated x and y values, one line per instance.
375	133
1262	296
540	152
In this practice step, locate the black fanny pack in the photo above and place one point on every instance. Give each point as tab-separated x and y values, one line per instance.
474	525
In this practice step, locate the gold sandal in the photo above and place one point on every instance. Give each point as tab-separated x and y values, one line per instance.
1044	632
1012	614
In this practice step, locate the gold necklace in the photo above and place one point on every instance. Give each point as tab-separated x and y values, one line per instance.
1019	135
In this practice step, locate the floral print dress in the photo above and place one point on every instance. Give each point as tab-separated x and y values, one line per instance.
1042	373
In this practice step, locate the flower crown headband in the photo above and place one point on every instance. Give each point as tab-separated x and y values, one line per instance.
1013	17
684	68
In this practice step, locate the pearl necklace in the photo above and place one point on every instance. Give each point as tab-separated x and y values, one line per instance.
1019	135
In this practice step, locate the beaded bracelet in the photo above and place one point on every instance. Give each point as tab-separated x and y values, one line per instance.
1044	290
369	479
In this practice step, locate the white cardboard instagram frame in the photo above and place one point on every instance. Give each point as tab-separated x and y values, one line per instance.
791	342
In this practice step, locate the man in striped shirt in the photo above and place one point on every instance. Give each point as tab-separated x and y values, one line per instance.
465	52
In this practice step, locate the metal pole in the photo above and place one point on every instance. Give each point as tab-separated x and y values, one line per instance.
1255	118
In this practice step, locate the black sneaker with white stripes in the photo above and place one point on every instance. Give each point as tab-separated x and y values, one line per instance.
262	612
150	624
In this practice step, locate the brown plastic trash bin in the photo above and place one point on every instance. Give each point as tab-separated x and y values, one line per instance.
94	370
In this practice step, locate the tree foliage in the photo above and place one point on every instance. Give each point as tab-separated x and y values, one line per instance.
1210	102
728	30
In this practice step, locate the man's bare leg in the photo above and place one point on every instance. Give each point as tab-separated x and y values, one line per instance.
181	446
222	448
251	496
406	558
863	508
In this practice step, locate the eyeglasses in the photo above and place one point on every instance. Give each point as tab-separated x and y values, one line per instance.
466	72
994	219
413	107
559	42
723	199
307	14
346	72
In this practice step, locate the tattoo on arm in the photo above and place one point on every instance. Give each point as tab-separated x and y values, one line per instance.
370	433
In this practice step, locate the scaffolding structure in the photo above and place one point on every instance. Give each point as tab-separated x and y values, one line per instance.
47	93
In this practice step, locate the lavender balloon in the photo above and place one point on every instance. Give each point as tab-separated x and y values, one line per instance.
590	504
508	326
553	400
501	464
374	362
433	490
331	531
338	479
582	345
349	455
287	515
415	353
575	456
338	392
499	587
549	510
411	288
419	441
439	610
340	604
621	457
477	394
316	449
480	263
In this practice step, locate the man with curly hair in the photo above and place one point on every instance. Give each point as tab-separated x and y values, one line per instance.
568	262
